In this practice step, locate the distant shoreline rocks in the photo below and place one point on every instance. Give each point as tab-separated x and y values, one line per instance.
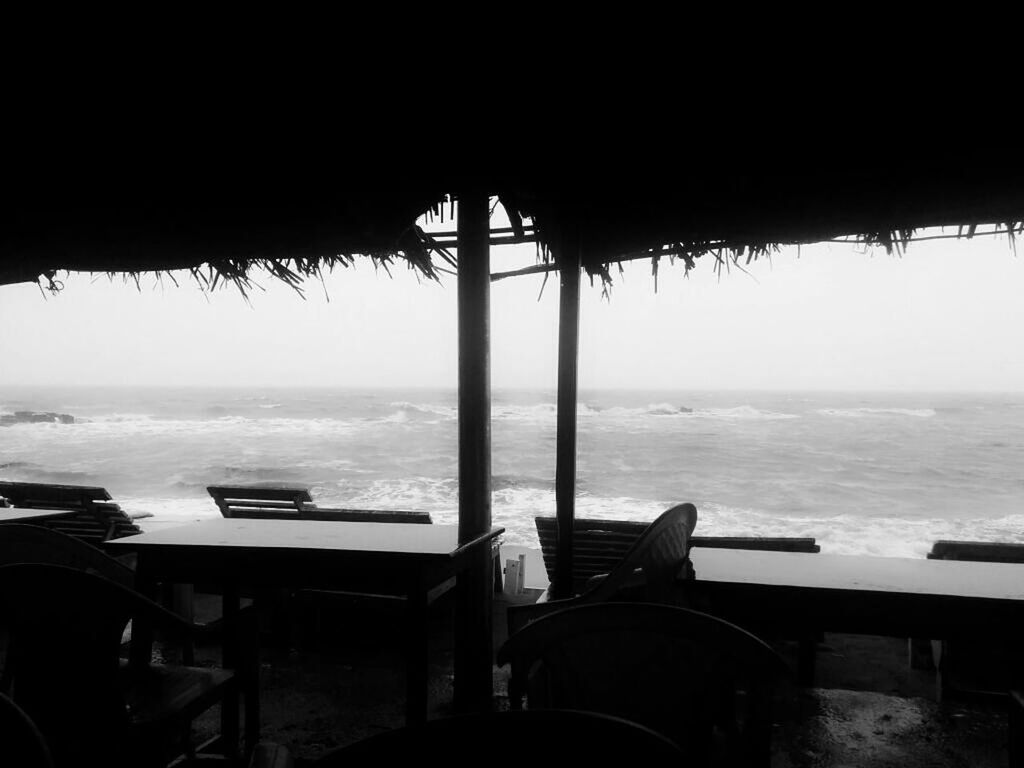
35	417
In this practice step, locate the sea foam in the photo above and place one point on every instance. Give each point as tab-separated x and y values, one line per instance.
920	413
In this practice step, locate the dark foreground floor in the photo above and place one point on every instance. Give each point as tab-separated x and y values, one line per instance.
868	709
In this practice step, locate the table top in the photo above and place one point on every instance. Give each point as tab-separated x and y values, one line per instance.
18	514
862	573
306	535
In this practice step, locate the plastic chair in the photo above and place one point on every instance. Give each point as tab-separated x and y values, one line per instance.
93	708
651	570
702	682
599	544
35	544
21	743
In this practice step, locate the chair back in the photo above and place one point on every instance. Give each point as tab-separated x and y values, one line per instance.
599	545
651	569
702	682
66	626
500	739
655	562
21	743
35	544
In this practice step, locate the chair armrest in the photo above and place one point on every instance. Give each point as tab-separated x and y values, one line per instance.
244	618
518	616
185	633
243	627
633	586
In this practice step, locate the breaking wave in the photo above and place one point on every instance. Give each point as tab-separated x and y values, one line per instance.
920	413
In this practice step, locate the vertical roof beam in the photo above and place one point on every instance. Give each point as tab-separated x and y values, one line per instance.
568	367
474	643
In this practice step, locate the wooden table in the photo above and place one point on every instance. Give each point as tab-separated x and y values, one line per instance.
20	515
413	561
790	592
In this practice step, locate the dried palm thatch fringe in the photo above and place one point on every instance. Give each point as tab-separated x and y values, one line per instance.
432	259
728	255
734	218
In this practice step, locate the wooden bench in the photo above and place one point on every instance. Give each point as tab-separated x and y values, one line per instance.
98	518
284	503
979	551
599	545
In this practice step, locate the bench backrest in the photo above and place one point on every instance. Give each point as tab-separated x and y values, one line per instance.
600	545
247	501
98	519
982	551
279	503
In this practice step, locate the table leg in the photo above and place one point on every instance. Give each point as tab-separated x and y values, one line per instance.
474	635
229	722
807	649
141	651
249	665
417	657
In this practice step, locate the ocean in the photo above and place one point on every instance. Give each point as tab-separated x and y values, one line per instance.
864	473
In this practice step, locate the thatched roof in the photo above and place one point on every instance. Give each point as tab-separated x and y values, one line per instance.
222	221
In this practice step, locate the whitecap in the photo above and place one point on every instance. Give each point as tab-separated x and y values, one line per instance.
921	413
742	412
424	408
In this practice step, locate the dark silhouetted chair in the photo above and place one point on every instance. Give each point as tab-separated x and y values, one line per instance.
599	545
97	518
651	569
500	739
35	544
702	682
1015	729
21	743
65	670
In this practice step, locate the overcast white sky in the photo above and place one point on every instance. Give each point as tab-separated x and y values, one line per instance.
946	315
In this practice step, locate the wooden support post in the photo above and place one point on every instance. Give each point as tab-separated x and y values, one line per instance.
474	644
568	365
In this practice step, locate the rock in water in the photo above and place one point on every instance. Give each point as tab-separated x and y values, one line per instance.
35	417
